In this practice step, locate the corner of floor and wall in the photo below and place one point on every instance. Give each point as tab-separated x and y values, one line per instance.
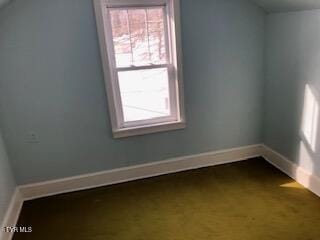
8	190
258	71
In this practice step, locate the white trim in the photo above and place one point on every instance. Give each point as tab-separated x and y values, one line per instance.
174	66
153	128
120	3
132	68
12	214
175	24
87	181
99	12
296	172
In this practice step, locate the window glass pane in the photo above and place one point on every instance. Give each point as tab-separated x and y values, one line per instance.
138	36
144	94
156	35
121	39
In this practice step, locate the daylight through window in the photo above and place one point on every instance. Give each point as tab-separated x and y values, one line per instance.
141	47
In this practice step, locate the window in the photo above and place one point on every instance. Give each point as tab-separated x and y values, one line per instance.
141	55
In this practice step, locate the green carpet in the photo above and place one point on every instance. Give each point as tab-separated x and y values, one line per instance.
248	200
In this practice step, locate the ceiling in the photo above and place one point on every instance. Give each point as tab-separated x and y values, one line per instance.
3	2
288	5
269	5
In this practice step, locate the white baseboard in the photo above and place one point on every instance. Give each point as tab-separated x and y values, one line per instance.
305	178
87	181
12	214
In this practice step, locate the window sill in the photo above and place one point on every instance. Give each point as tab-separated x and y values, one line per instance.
154	128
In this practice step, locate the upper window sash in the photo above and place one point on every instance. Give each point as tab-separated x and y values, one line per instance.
166	35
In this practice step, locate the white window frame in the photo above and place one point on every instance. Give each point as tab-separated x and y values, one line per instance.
174	65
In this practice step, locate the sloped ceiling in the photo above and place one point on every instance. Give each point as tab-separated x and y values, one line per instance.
288	5
269	5
3	2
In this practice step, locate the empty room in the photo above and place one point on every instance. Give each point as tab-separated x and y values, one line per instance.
159	119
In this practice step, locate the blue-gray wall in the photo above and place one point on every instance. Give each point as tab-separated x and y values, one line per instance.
3	2
293	63
52	84
7	183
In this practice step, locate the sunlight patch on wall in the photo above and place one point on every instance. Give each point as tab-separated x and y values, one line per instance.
310	118
305	157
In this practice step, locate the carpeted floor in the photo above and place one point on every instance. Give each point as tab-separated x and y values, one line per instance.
248	200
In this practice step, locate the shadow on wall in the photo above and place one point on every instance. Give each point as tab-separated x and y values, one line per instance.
309	147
